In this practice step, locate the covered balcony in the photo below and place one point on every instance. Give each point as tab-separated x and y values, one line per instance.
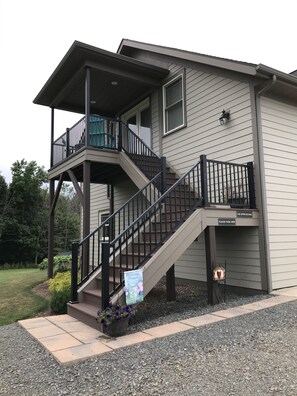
99	85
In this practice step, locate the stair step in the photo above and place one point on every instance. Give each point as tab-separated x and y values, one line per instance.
85	313
92	297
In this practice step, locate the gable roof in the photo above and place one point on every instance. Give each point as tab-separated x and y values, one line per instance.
224	63
65	89
284	84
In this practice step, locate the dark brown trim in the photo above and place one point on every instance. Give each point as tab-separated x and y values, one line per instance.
87	104
170	284
51	222
211	260
56	194
76	186
86	214
52	136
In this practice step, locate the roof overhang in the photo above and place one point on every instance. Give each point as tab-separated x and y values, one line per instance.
284	87
116	81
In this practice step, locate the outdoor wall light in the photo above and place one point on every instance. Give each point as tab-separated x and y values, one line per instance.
225	117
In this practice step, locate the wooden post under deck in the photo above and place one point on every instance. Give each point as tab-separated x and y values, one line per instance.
170	284
50	257
86	214
211	262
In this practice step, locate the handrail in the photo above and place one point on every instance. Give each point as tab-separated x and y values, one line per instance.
201	186
116	135
138	151
118	221
130	249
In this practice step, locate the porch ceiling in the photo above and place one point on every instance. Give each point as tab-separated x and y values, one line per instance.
65	89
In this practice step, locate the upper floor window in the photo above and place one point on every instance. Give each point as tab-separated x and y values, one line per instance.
173	104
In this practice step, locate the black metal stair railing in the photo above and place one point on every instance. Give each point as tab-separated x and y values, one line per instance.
205	184
106	133
115	224
136	149
135	245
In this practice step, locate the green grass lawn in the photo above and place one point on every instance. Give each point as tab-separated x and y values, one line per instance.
17	300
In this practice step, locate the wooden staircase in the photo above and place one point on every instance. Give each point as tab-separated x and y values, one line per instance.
151	238
157	237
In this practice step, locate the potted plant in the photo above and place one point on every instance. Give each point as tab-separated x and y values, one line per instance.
234	195
115	319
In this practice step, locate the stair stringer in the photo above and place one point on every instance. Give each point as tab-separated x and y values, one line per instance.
172	249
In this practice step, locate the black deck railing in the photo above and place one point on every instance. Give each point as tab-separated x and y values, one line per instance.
205	184
115	224
134	242
146	160
106	133
226	183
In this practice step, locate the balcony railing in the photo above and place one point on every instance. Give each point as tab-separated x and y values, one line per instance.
103	133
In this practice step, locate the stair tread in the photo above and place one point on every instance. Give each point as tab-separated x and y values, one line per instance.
94	292
86	308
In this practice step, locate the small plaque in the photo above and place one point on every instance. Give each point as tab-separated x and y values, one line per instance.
227	221
218	273
244	213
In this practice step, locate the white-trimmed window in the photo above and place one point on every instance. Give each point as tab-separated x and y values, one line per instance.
173	104
105	234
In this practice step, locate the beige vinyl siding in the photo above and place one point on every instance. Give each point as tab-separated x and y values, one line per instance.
279	129
155	123
206	96
99	203
237	248
192	264
123	191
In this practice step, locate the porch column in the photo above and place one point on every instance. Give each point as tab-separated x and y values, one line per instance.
52	136
86	214
87	104
51	222
211	262
170	284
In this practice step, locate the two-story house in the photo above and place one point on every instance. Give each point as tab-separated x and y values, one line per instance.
182	162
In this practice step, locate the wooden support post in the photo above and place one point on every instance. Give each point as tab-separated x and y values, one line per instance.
74	271
170	284
51	222
86	215
87	104
211	261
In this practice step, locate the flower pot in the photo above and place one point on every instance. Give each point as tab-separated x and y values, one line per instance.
117	328
237	202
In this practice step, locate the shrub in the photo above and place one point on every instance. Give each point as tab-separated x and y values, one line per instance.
61	264
43	265
60	287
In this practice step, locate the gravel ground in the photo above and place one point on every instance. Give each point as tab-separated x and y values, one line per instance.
254	354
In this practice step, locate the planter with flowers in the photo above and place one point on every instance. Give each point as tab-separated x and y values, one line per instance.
115	319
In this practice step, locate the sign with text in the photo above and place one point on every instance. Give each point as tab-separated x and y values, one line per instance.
133	286
226	221
244	213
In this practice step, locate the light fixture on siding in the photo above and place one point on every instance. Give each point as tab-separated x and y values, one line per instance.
225	117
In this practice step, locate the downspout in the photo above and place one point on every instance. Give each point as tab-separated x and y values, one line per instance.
264	215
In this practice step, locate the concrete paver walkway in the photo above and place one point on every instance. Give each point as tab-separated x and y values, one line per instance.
70	341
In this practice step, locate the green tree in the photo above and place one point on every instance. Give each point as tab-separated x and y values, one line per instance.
3	202
67	219
25	214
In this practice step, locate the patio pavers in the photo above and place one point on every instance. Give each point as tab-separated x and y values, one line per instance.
70	341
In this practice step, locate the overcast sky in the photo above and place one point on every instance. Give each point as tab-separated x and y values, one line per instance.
36	34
